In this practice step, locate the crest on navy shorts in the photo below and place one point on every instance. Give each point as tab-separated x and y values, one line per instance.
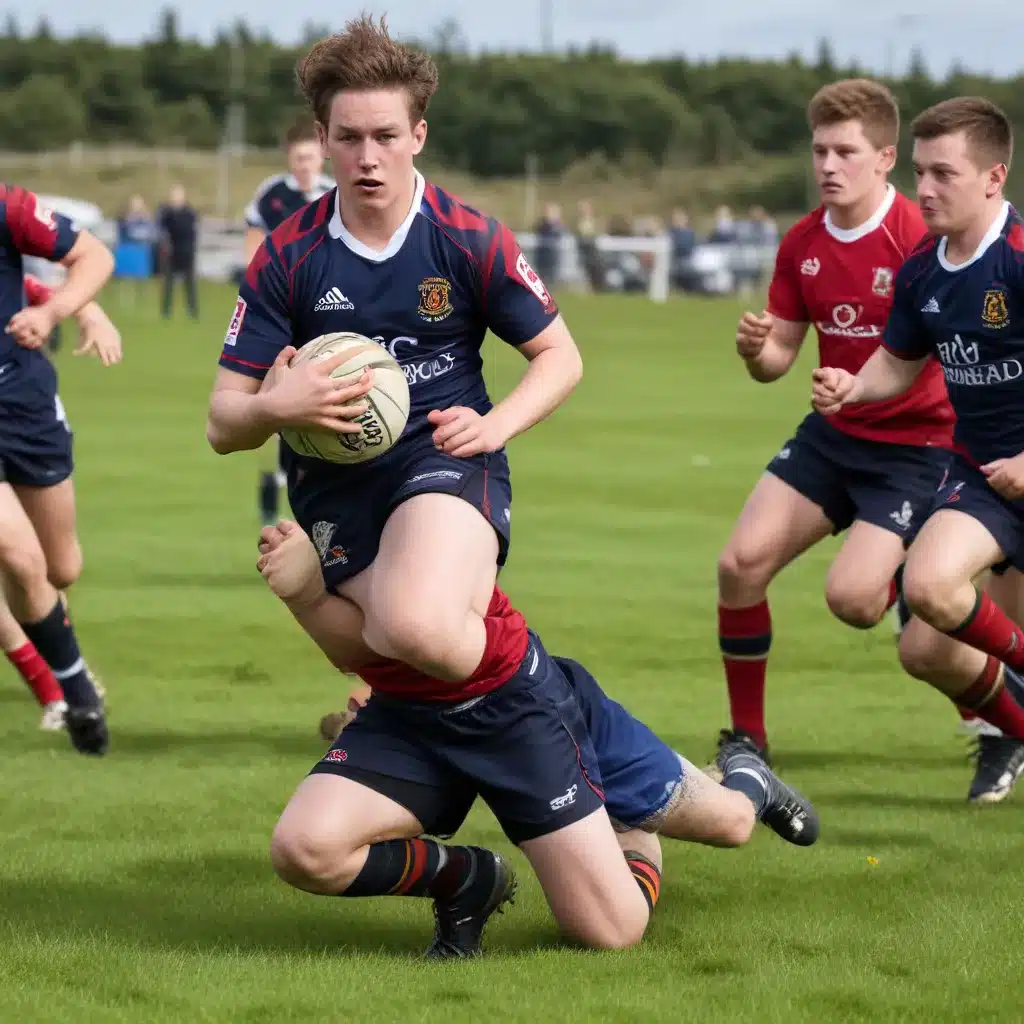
435	299
322	534
994	312
881	283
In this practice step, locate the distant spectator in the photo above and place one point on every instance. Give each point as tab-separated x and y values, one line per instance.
724	231
137	227
586	239
766	231
550	231
179	224
684	238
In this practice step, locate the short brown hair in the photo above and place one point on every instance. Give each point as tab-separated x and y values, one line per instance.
365	56
303	129
858	99
987	129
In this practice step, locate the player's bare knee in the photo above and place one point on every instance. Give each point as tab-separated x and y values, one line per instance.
25	575
623	932
745	566
309	860
930	599
65	569
857	606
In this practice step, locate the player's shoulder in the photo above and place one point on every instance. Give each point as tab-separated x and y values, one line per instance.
269	185
905	222
292	239
796	244
468	228
1013	232
16	197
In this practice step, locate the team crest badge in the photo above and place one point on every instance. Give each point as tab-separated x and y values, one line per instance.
882	282
435	299
994	312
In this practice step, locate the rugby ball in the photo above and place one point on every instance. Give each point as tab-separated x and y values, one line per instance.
388	400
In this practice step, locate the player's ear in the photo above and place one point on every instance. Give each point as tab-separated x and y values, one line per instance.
419	137
996	180
321	134
887	159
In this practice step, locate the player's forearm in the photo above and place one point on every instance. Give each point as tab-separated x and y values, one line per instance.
549	379
91	313
89	267
335	625
886	376
238	422
772	362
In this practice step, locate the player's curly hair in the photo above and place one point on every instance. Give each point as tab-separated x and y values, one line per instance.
858	99
988	130
364	56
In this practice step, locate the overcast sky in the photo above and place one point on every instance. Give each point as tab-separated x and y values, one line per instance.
984	37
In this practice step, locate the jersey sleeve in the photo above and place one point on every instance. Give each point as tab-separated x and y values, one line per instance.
35	229
517	305
785	295
261	324
36	293
906	336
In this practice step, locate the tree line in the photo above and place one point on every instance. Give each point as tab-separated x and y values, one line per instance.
491	111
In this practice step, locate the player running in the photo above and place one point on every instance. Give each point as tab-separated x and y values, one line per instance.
959	308
414	537
100	338
958	304
416	755
277	198
39	551
868	471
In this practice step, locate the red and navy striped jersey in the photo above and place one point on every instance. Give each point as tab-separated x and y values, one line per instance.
27	228
970	318
447	276
279	196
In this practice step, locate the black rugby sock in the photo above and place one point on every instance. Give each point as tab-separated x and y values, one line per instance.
414	867
54	638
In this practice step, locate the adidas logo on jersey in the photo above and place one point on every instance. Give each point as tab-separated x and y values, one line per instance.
331	300
931	306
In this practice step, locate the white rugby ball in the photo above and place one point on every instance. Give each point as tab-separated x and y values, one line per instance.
388	400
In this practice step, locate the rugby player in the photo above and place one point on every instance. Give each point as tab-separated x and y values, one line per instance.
414	537
276	199
868	471
39	551
959	309
648	788
98	337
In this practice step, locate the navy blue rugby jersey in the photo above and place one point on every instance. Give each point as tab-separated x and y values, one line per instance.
279	196
447	276
970	317
27	228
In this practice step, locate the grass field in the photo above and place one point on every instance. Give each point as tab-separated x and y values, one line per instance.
137	888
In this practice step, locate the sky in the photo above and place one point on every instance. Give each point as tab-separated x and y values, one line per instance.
879	34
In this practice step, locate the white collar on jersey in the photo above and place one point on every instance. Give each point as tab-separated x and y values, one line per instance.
874	221
990	236
337	229
321	183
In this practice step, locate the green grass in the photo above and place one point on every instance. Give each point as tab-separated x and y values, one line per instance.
137	887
